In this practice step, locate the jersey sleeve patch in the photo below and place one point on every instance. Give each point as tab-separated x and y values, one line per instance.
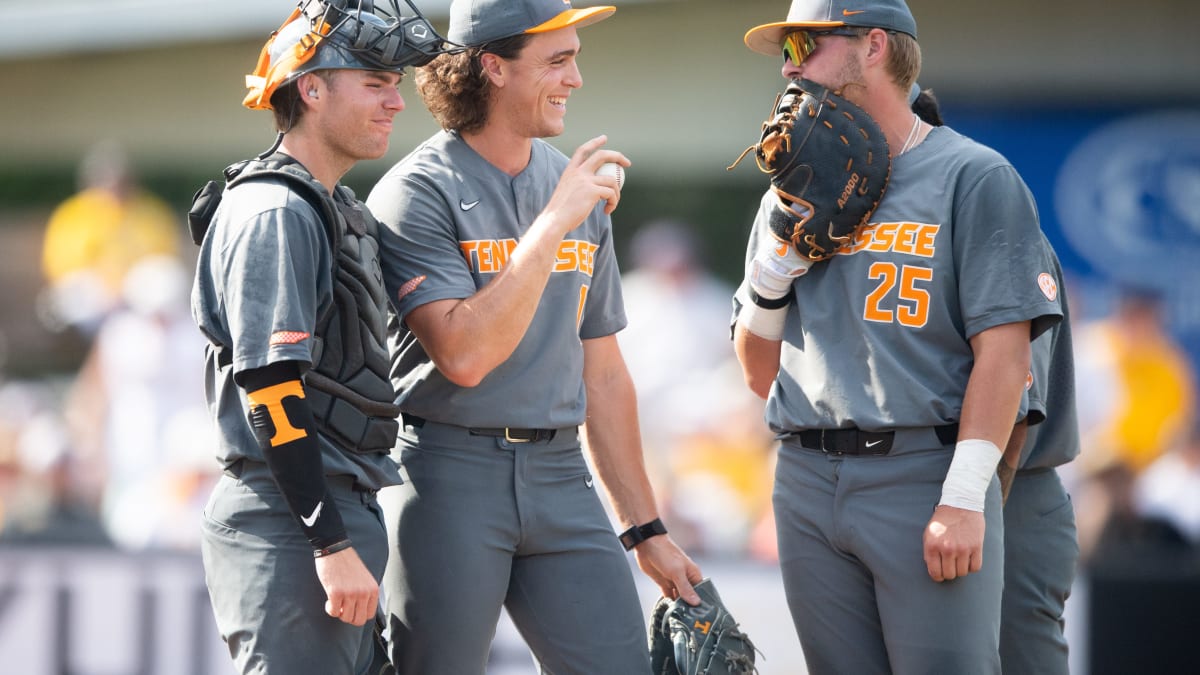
409	286
1048	285
288	337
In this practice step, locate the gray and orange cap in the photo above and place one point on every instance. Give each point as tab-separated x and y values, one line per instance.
825	14
478	22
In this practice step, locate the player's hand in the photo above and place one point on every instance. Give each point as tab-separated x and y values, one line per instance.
954	543
351	590
669	567
579	188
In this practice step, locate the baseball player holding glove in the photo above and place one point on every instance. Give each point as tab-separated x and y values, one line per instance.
497	252
288	293
894	370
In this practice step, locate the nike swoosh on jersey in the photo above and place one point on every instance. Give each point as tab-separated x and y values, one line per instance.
588	481
467	206
312	517
871	444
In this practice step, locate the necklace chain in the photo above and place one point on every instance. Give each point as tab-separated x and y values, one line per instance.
912	136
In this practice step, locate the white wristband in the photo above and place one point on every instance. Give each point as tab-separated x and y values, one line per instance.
763	322
971	472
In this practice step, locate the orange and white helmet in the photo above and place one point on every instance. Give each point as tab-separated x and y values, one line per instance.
341	34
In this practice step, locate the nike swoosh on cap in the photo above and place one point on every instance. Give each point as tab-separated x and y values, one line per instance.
467	206
312	517
852	12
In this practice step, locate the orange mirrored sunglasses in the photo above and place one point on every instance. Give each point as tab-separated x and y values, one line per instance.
798	44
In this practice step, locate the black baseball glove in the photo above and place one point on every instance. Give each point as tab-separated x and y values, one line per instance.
700	640
829	166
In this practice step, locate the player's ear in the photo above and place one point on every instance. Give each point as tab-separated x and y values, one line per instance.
877	41
492	67
310	87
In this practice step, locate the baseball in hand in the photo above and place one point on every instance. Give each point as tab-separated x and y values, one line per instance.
613	169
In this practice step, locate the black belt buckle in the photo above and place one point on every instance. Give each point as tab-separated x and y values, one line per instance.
519	435
848	441
513	435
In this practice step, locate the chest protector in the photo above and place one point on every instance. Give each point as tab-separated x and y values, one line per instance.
348	385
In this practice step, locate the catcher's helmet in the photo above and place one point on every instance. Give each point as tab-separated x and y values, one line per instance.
340	34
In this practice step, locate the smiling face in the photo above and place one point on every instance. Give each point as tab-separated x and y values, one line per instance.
355	113
532	89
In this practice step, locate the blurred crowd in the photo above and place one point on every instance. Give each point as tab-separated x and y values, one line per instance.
1136	483
119	453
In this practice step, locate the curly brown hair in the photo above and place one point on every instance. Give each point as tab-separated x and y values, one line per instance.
455	88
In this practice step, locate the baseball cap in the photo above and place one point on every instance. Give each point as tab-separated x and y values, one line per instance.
820	14
477	22
332	35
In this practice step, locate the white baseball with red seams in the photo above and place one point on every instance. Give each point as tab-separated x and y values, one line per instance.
613	169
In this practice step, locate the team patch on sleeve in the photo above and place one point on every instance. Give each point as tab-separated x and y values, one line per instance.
409	286
288	337
1048	285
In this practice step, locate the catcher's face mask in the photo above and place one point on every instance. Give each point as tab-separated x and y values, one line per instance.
798	44
341	34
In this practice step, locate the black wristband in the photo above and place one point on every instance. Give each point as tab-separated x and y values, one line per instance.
332	548
770	303
639	533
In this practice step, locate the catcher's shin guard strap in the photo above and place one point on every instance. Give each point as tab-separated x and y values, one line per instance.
970	474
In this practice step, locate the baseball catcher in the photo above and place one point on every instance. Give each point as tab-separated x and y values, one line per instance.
829	165
700	640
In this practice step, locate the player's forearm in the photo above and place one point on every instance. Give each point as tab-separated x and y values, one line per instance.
502	311
993	396
759	358
1016	441
613	436
283	425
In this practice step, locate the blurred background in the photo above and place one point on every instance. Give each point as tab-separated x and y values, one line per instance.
113	112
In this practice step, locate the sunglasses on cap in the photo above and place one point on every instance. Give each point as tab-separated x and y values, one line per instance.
798	44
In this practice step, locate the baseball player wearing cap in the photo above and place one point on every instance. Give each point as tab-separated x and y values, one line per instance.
1041	548
894	371
497	253
288	292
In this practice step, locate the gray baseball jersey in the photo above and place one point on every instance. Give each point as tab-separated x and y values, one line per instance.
263	277
1053	437
954	248
450	220
520	521
878	338
1041	549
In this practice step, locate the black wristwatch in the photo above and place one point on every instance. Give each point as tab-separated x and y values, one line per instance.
639	533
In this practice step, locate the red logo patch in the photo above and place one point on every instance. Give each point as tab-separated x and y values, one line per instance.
288	337
409	286
1048	285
